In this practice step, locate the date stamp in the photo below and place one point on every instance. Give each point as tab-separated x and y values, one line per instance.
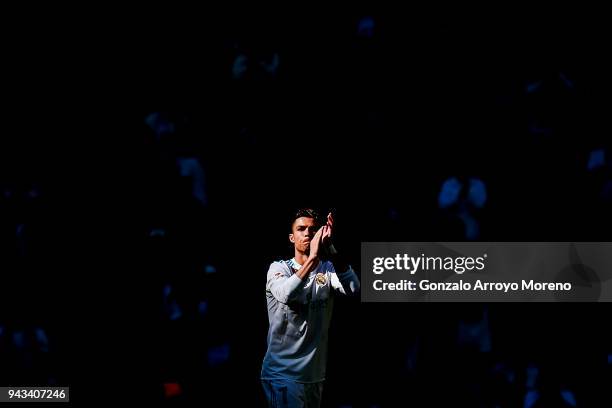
34	394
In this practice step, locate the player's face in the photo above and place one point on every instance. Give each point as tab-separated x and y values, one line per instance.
304	229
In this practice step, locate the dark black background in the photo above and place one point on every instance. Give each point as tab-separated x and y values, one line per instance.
369	126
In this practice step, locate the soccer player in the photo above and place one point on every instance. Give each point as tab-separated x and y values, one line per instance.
300	294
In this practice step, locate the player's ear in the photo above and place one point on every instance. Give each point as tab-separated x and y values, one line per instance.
291	238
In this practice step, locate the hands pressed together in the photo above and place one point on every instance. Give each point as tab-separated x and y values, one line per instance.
322	238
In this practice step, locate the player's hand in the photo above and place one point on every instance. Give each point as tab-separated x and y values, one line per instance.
327	231
315	243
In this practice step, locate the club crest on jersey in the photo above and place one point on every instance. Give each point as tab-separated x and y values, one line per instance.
321	279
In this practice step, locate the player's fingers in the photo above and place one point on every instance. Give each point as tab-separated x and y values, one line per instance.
326	231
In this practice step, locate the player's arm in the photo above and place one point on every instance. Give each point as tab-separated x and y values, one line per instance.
343	277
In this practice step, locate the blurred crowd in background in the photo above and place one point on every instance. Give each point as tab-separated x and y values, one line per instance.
161	229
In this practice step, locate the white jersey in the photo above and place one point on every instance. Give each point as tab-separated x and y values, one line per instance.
299	312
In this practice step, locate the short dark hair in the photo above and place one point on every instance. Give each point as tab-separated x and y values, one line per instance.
305	212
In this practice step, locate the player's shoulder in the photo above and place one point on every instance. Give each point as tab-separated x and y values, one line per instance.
279	266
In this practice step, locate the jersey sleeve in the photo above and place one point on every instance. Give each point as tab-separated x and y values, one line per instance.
346	283
283	285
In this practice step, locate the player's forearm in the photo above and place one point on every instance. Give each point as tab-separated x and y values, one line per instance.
309	266
347	280
341	263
